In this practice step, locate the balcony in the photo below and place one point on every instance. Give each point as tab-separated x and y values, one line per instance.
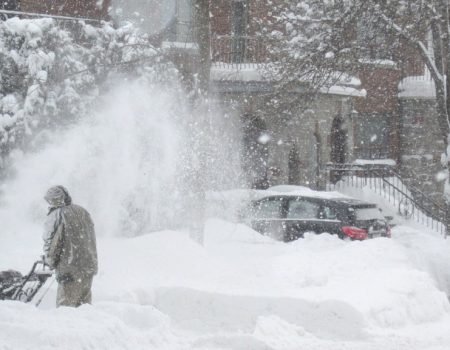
417	82
235	52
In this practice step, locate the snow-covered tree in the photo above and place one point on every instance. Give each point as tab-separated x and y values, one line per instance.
411	21
317	39
50	72
310	43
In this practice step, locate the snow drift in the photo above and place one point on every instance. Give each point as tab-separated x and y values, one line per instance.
242	290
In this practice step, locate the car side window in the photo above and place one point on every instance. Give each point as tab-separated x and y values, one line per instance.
302	209
268	209
328	213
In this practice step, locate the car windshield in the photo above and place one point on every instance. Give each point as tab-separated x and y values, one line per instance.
368	214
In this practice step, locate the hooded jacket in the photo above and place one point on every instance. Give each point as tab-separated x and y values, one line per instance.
69	237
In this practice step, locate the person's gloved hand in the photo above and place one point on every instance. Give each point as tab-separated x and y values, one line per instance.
47	262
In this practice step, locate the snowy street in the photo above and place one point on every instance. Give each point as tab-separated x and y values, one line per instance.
242	290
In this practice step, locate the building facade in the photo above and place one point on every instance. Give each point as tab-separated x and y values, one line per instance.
277	147
87	9
386	114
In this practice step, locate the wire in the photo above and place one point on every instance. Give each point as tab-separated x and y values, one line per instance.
40	15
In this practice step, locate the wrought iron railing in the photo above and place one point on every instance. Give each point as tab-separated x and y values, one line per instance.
234	51
384	181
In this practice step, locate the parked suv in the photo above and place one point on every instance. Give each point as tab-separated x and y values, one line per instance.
288	217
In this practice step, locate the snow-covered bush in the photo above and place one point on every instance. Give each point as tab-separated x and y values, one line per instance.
50	72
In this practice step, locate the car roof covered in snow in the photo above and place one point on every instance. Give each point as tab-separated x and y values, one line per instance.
305	192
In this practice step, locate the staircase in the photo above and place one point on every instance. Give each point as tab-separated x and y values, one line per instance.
383	181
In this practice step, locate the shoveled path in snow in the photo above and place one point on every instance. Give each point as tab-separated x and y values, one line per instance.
240	290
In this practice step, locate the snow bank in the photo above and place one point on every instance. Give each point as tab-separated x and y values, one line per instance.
241	290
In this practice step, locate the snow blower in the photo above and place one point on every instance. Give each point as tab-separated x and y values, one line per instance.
15	286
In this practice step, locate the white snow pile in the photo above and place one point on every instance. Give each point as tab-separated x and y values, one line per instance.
242	290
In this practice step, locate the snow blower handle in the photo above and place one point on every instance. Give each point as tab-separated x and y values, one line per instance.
45	262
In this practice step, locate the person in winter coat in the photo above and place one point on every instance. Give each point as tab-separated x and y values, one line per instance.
70	248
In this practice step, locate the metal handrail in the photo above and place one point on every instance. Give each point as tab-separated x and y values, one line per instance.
415	193
413	200
420	202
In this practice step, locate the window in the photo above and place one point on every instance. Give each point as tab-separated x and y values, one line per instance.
302	209
184	15
239	16
373	39
372	136
268	209
328	213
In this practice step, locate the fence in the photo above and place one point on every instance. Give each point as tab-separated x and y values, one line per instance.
383	180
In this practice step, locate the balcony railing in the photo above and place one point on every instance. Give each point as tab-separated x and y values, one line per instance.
238	51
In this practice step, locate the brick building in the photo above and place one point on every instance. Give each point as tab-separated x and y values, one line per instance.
73	8
276	148
393	122
385	114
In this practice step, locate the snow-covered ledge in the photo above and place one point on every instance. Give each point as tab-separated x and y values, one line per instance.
387	162
417	87
252	72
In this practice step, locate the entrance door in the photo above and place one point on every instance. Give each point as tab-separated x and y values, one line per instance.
255	151
338	141
338	147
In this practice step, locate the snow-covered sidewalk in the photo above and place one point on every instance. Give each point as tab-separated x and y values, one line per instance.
241	290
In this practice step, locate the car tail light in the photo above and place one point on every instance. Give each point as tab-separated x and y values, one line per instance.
354	232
